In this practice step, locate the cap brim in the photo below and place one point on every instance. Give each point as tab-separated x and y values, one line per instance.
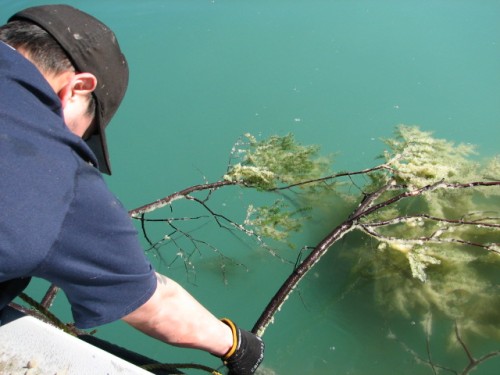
98	145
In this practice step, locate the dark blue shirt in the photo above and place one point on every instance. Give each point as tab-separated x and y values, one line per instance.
58	220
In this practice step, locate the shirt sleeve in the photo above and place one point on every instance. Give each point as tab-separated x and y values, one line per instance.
97	258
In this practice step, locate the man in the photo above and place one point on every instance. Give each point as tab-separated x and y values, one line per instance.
62	78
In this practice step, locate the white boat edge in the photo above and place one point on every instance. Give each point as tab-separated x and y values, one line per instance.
30	346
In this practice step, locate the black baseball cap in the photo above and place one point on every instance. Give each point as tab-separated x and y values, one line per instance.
92	48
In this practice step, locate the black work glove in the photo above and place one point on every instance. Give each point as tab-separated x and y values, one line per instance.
246	354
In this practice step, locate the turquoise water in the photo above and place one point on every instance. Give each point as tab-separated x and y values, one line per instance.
336	73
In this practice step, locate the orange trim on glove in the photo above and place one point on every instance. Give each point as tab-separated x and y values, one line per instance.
235	338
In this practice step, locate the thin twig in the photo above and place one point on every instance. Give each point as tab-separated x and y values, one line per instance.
49	296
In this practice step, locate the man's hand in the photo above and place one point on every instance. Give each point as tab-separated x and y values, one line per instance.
246	354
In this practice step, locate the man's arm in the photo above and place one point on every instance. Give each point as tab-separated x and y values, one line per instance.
173	316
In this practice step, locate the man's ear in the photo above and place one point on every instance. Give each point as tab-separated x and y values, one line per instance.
80	84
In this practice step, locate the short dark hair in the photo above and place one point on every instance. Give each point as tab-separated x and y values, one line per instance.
40	46
45	52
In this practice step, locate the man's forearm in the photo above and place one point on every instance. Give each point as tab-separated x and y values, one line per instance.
172	315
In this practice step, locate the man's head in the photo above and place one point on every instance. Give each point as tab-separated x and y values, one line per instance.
93	51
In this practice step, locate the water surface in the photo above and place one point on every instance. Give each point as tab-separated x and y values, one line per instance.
336	73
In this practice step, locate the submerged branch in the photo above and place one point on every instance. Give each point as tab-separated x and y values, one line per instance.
479	223
298	273
367	228
473	362
366	171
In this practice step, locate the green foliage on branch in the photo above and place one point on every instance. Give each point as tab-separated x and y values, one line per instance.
277	160
440	250
276	221
434	251
418	159
268	164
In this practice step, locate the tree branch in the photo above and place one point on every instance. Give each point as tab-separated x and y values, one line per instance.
178	195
